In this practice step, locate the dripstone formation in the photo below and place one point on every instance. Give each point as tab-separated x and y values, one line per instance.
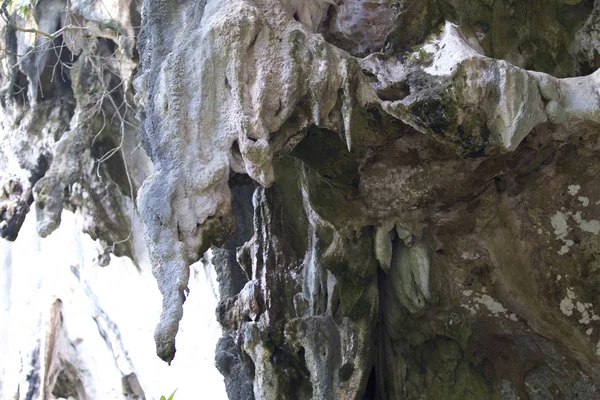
400	197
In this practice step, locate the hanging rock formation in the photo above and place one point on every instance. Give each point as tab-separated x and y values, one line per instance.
423	192
399	197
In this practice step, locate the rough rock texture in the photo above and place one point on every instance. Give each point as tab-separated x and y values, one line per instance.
69	118
399	196
423	210
69	139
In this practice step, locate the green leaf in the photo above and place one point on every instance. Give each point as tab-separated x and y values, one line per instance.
171	396
24	9
163	398
10	6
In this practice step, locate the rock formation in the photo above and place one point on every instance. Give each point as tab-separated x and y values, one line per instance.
399	197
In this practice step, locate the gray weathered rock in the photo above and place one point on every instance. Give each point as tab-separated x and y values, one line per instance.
400	198
406	168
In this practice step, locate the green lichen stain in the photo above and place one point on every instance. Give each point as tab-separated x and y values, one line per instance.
436	113
326	153
372	127
355	272
445	371
421	56
294	217
533	34
439	114
332	178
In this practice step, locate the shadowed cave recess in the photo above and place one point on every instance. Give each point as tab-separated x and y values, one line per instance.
400	198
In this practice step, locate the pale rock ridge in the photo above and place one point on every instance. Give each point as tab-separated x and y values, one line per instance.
242	102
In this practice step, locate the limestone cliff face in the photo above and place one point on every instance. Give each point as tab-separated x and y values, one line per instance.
399	197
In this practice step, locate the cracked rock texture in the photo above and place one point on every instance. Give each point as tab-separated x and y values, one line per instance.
399	197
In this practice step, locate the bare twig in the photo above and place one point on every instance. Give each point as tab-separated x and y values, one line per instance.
100	65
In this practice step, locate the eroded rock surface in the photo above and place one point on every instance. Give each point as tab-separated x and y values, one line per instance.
400	197
413	164
69	132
